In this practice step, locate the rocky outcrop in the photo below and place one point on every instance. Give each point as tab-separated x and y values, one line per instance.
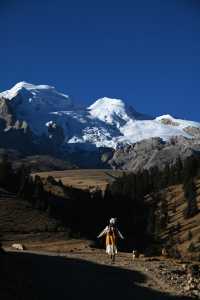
194	131
18	246
167	121
6	114
154	152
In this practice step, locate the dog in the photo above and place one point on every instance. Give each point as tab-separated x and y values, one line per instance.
135	254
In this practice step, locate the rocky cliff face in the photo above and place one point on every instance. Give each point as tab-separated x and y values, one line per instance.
6	113
154	152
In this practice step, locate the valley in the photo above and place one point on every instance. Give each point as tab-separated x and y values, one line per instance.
100	150
65	171
56	216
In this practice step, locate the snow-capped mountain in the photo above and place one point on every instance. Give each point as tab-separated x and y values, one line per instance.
114	112
44	95
106	123
33	103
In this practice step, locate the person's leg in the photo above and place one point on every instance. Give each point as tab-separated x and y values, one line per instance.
113	258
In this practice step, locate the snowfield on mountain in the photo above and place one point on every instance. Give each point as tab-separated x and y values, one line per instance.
106	123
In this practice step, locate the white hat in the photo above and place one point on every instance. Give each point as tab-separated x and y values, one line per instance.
113	220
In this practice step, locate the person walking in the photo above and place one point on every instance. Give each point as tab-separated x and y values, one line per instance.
112	234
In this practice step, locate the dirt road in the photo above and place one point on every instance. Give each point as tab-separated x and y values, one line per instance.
78	275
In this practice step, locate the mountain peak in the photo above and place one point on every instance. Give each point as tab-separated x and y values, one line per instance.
114	111
32	89
165	117
106	101
109	110
34	102
30	86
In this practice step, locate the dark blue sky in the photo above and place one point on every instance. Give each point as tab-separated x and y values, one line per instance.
145	52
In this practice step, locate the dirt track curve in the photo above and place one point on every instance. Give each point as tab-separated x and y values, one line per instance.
89	275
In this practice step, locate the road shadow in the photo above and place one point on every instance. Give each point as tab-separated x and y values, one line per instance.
40	277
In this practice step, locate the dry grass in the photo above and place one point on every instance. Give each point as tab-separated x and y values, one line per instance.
176	201
84	179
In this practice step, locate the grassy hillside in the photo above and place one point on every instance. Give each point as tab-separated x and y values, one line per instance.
19	221
180	231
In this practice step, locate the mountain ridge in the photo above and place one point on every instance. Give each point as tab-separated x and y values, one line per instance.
107	122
